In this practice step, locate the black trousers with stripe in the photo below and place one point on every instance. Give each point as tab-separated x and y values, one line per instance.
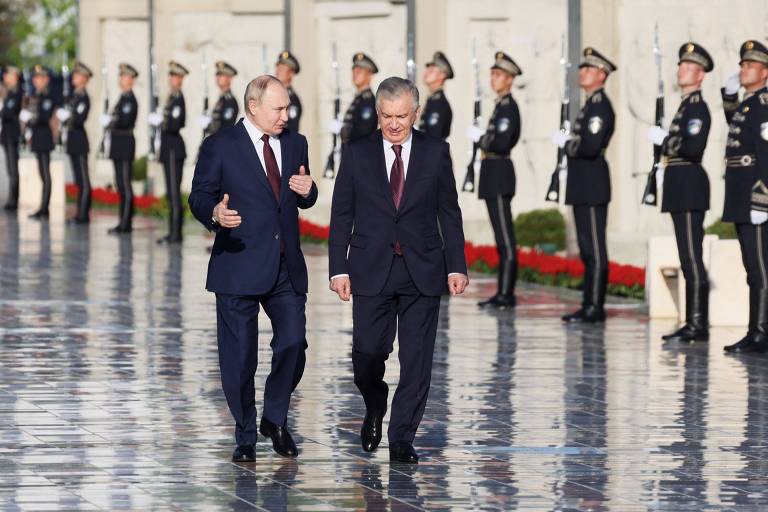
11	149
500	213
123	173
172	169
689	234
83	180
590	232
44	167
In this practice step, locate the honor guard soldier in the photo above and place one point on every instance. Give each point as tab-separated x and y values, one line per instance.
172	148
746	184
588	186
122	149
10	131
37	117
285	68
686	186
437	115
497	175
225	111
360	119
73	117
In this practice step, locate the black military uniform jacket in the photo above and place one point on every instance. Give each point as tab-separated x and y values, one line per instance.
42	109
174	118
589	181
10	133
79	106
686	185
224	113
123	144
746	156
437	116
360	120
497	174
294	111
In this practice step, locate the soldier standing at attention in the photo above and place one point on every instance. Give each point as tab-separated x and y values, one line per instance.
746	184
172	149
73	118
588	187
497	176
122	149
10	132
686	187
285	68
360	119
37	117
225	111
437	115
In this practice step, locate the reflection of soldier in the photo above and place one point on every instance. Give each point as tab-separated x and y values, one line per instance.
37	117
225	111
497	176
10	131
172	148
73	117
122	149
746	185
686	187
437	115
588	187
360	119
286	67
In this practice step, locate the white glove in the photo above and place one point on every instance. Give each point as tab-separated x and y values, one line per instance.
334	126
155	118
732	84
204	121
757	217
659	178
474	133
562	174
559	138
63	114
105	120
25	115
657	134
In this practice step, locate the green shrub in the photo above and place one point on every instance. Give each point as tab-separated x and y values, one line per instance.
539	228
722	229
139	169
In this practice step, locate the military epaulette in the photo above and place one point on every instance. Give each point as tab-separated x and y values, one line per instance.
763	98
696	97
506	100
597	98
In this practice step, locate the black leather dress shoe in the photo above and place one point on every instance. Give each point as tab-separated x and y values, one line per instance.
118	230
282	442
687	334
244	453
166	240
370	433
751	343
498	302
588	315
402	451
40	214
10	207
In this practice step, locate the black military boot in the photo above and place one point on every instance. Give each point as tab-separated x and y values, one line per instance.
756	339
696	326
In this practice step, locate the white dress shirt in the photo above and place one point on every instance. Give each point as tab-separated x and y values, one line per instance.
389	159
255	134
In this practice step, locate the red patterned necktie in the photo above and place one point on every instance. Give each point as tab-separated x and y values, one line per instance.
273	171
397	184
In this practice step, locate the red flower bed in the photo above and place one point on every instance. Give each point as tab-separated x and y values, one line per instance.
110	198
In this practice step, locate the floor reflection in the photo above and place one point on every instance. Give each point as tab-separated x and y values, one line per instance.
110	398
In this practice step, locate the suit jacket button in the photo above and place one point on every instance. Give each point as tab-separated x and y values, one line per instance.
277	236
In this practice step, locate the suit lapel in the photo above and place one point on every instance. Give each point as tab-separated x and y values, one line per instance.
286	171
414	168
248	151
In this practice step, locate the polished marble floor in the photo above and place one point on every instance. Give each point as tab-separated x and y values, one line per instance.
110	398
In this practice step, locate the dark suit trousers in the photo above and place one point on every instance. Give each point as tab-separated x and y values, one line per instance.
237	319
401	309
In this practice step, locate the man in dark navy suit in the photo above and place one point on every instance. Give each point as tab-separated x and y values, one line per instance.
249	182
396	244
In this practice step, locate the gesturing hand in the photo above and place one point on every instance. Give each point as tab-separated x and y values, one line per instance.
301	183
457	283
342	286
224	216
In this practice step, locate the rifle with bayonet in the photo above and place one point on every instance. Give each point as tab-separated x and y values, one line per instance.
561	165
154	101
106	136
66	93
330	163
650	194
474	162
204	69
